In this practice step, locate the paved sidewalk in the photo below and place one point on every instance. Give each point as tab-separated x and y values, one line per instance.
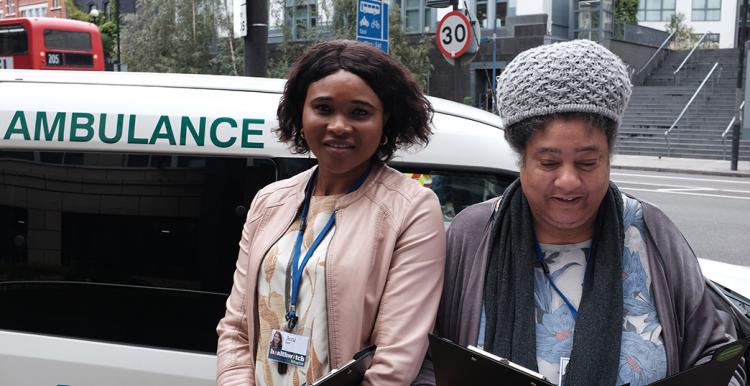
680	165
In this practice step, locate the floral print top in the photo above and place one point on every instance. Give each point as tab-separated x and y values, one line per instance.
311	303
642	354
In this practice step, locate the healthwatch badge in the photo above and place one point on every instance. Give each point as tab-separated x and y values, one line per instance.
288	348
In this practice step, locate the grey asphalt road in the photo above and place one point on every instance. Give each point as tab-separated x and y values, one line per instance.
712	212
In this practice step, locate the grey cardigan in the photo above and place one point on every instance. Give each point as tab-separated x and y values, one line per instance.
691	325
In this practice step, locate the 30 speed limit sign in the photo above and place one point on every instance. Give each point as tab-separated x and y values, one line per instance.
454	34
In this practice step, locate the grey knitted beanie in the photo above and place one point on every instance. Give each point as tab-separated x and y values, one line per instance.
574	76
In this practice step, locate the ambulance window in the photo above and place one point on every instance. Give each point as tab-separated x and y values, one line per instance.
105	248
458	190
26	155
67	158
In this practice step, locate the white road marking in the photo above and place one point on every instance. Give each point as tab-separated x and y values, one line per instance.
679	190
685	193
682	178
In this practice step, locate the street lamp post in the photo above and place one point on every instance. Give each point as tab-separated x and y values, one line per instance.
94	13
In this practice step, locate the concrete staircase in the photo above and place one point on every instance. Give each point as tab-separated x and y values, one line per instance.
655	105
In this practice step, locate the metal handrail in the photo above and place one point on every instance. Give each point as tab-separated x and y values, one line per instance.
690	54
731	123
674	124
661	47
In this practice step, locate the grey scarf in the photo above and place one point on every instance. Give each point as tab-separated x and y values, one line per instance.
509	291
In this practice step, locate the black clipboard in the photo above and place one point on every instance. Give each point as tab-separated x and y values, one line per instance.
717	371
350	374
459	366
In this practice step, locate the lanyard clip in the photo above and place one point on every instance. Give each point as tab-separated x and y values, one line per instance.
291	320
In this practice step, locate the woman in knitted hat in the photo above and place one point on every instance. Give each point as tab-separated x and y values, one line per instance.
564	274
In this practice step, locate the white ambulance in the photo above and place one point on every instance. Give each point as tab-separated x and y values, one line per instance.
122	198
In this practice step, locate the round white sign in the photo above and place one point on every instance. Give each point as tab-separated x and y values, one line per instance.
454	34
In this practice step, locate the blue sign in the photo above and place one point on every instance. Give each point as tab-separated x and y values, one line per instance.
372	23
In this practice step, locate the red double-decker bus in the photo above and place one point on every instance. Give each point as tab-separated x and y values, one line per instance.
50	44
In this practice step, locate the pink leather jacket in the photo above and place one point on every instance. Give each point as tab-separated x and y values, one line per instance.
384	275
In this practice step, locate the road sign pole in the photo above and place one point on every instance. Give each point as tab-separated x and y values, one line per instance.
256	41
494	72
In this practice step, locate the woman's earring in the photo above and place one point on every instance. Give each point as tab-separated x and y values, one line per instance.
384	141
302	134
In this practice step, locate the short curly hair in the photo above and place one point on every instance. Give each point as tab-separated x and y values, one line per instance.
519	134
401	96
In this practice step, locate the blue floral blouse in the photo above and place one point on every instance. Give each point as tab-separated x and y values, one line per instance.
642	354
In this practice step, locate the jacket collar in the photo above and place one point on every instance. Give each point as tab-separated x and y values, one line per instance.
299	182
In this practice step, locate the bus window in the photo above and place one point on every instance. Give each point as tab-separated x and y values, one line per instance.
13	40
66	40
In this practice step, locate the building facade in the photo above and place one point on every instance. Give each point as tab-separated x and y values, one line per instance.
32	8
717	18
105	6
517	24
56	8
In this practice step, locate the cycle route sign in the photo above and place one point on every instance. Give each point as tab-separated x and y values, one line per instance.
372	23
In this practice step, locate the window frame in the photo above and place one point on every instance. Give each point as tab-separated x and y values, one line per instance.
309	13
704	11
425	17
665	14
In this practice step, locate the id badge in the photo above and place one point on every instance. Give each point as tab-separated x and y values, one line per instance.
288	348
563	368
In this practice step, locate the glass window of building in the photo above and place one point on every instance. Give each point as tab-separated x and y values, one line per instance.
303	17
36	10
482	13
411	12
656	10
706	10
429	20
501	11
711	39
417	18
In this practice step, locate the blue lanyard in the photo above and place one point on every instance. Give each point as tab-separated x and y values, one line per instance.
297	267
540	257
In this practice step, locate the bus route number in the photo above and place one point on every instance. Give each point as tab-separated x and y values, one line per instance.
53	59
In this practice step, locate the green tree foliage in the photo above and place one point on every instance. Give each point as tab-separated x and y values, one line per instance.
106	23
626	11
230	58
182	36
345	19
684	35
413	52
289	49
414	55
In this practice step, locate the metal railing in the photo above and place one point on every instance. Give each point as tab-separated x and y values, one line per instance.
695	46
661	47
729	127
674	124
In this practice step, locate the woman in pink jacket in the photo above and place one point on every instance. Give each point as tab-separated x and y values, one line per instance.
349	253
